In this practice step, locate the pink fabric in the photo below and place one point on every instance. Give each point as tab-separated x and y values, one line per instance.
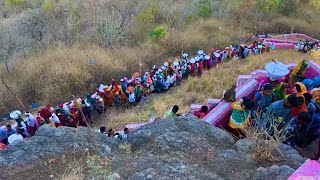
220	115
309	170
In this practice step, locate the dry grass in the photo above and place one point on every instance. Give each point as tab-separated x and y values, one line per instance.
197	90
55	75
265	148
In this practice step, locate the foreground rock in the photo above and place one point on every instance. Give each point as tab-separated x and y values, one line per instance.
181	148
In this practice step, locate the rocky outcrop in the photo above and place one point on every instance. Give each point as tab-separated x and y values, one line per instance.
180	148
51	142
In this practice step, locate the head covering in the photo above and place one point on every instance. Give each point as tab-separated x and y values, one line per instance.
302	88
277	70
200	52
192	61
267	87
185	55
121	80
15	114
207	57
176	63
166	64
216	54
308	83
117	93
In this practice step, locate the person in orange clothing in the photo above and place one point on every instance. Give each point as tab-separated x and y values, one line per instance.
302	107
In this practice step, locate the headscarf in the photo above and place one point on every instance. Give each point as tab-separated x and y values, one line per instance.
302	88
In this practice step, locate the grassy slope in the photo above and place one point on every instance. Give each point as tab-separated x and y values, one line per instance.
58	73
198	90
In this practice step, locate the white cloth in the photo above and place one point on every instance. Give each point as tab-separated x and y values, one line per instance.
66	108
31	121
101	88
124	136
55	118
14	137
277	70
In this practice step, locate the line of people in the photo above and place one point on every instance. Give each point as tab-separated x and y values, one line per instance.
306	46
126	92
290	104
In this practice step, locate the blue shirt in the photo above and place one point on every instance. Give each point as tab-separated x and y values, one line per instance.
4	133
276	110
264	101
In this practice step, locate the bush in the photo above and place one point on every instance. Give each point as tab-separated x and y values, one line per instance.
204	9
157	33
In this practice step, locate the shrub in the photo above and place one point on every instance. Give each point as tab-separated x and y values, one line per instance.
157	33
204	9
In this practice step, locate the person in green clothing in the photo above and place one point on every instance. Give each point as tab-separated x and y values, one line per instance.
138	92
91	101
187	72
173	112
280	88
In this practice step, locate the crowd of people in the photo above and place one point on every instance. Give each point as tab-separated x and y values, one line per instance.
131	91
288	104
306	46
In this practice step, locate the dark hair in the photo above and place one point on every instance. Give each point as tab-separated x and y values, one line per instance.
175	108
267	87
125	129
307	96
300	99
110	130
248	103
102	129
20	130
293	100
204	108
305	117
9	126
298	87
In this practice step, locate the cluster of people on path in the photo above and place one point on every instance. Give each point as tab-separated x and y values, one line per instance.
289	104
126	92
305	46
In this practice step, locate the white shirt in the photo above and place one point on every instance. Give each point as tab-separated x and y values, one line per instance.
55	118
31	121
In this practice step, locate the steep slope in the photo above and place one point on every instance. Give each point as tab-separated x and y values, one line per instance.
180	148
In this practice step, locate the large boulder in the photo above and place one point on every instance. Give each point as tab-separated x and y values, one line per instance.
51	142
173	148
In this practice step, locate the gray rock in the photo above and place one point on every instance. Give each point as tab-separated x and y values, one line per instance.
114	176
273	172
50	142
244	145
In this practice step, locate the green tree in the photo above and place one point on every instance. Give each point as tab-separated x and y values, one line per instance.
157	33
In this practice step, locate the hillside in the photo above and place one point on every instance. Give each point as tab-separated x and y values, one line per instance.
197	90
172	148
46	45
